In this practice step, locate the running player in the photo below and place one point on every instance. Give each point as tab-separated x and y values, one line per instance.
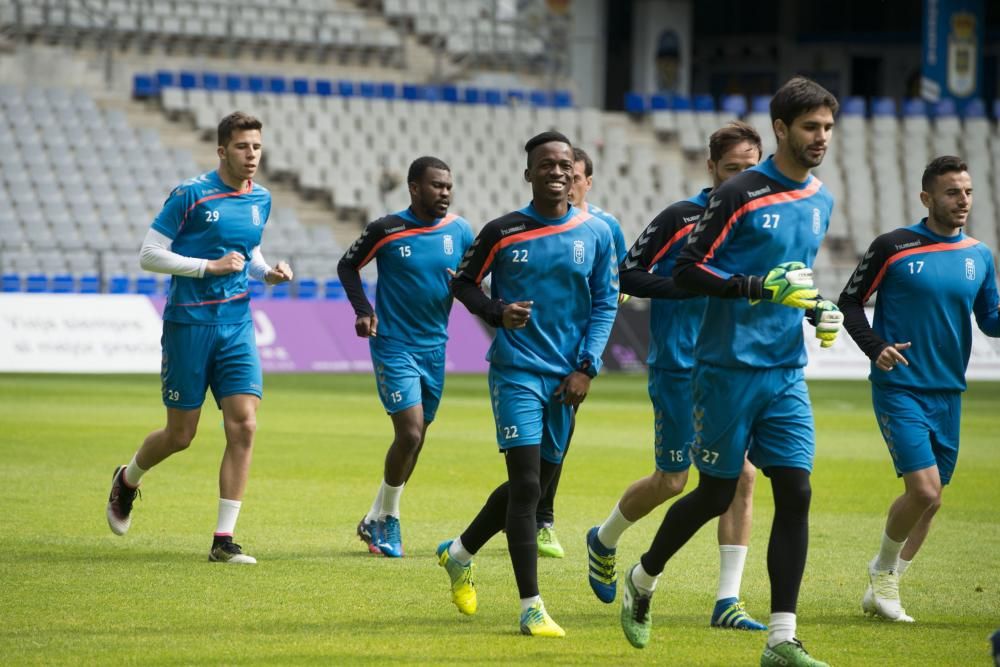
674	320
759	232
930	277
208	237
408	328
583	181
555	292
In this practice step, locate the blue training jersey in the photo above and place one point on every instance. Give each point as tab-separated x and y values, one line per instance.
412	299
566	266
621	250
928	285
754	221
675	316
207	219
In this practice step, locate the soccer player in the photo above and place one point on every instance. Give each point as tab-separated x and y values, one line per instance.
749	253
675	317
930	277
408	328
554	298
208	237
583	181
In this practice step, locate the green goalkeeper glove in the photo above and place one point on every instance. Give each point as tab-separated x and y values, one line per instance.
828	320
788	284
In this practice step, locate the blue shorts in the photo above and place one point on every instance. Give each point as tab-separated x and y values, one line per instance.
528	413
670	392
761	413
198	356
407	377
920	427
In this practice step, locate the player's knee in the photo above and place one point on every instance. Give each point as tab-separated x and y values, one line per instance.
927	496
715	493
179	437
242	430
410	437
792	490
669	484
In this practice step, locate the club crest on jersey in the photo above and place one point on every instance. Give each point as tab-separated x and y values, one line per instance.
255	215
449	245
816	221
578	253
970	268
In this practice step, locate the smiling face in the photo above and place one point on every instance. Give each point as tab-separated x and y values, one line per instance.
550	173
240	158
948	202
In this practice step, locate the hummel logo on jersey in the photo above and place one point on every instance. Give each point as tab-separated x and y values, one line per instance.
756	193
911	244
393	230
691	218
513	230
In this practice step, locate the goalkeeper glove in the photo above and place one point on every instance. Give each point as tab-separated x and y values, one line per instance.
827	319
788	284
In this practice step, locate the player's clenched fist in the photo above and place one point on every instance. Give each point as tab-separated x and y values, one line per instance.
366	326
517	314
828	320
228	263
281	273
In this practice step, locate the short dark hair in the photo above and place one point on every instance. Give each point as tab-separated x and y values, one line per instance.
798	96
237	121
420	166
580	155
730	135
939	166
544	138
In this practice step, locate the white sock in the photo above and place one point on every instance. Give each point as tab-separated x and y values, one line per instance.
731	560
611	530
373	513
133	473
645	582
390	500
888	555
527	602
903	566
781	628
458	553
229	510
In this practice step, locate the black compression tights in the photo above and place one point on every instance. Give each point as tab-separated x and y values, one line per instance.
786	551
511	507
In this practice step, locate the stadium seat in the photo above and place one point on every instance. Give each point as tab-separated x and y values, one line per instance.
258	289
36	282
62	283
89	284
10	282
144	86
333	290
308	288
281	291
635	103
734	106
118	284
145	285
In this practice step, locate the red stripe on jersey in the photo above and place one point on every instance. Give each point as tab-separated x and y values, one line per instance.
770	200
681	233
709	269
573	222
245	191
403	234
212	303
934	247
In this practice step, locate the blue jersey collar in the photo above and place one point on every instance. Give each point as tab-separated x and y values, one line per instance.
922	228
701	199
408	215
769	169
533	213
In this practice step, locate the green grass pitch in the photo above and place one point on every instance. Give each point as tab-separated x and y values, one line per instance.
74	593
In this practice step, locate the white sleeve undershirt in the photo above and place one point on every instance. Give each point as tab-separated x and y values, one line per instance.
156	255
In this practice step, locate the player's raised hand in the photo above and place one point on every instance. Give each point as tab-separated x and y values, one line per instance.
229	263
789	284
573	388
891	357
517	314
281	273
366	326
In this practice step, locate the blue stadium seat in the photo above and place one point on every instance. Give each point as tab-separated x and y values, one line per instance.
256	83
324	87
345	88
36	282
258	289
188	79
89	283
883	106
62	283
562	99
235	82
369	290
300	86
308	288
277	84
760	104
974	108
494	97
657	102
680	103
516	96
145	285
211	80
411	91
10	282
165	79
704	103
281	291
945	107
472	96
449	93
333	290
914	106
118	284
143	86
996	109
635	103
853	106
430	93
387	90
538	98
367	89
734	105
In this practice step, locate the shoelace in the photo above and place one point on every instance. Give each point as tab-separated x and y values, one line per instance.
126	496
392	531
545	535
886	585
640	608
231	548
